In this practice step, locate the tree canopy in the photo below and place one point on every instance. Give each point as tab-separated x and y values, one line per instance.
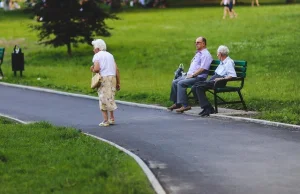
69	22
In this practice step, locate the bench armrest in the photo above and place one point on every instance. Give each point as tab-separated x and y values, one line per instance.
222	83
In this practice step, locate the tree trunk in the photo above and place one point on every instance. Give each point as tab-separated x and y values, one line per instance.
69	49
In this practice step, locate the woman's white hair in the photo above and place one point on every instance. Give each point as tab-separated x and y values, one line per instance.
100	44
223	50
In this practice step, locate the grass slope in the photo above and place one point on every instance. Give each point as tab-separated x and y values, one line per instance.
149	44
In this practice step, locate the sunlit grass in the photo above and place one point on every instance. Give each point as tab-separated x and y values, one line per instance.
41	158
148	45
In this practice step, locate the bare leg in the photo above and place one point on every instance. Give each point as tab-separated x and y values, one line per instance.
105	115
257	4
225	12
111	115
234	13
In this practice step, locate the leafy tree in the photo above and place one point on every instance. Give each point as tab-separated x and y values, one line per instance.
115	5
69	22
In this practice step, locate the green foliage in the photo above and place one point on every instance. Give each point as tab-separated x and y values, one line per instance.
41	158
149	45
5	121
66	22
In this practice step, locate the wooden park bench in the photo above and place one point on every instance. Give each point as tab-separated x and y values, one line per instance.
221	86
1	60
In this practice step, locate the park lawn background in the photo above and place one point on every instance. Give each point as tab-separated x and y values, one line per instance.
41	158
149	44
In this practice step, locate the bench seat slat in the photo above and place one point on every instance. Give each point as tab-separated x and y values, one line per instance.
228	89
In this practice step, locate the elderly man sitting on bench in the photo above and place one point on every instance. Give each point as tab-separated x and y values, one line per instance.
225	70
198	71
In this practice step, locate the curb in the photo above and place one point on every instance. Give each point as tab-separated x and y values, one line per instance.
258	121
151	177
154	182
13	119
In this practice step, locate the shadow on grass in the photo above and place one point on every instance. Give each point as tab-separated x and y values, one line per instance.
15	14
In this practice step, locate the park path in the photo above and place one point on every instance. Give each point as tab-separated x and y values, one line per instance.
188	154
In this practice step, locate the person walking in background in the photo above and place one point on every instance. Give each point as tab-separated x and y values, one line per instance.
198	71
226	11
232	13
252	3
228	8
225	70
6	5
104	63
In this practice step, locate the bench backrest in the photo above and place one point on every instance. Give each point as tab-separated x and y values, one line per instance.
1	54
240	67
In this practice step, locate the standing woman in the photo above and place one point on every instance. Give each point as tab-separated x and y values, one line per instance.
104	63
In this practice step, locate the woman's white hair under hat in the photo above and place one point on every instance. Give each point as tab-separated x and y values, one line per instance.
100	44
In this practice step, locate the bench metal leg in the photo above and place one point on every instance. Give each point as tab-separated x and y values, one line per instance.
242	100
1	73
218	97
216	102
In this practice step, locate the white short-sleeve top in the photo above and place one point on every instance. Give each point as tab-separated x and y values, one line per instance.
226	68
107	63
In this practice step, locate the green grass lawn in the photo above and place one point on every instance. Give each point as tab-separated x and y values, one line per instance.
41	158
149	44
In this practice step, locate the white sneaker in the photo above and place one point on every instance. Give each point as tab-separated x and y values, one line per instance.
104	124
111	121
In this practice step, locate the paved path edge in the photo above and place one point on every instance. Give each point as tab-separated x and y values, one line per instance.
151	177
259	121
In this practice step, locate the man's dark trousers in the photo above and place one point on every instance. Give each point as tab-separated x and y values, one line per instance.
201	88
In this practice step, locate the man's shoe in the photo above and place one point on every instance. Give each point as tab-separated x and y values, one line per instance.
211	110
182	109
207	111
200	113
174	106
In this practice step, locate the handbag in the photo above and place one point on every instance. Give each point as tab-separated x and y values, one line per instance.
96	81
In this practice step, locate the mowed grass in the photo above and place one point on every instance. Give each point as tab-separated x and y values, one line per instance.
149	44
41	158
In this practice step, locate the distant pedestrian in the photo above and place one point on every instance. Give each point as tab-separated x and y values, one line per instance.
228	8
256	1
226	11
232	13
104	63
6	4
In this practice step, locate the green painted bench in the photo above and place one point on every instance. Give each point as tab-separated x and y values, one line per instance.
223	86
1	60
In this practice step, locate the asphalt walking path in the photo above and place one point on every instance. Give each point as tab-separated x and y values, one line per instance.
188	154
